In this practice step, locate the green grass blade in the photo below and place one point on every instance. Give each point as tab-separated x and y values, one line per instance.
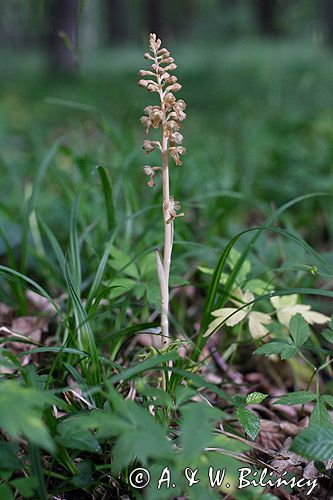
108	196
86	339
31	203
75	249
148	364
99	273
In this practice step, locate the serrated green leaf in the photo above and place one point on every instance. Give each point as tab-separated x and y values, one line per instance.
153	292
271	348
71	435
328	399
183	394
286	349
249	421
315	443
255	398
147	265
296	398
27	421
320	415
196	429
121	286
288	352
176	280
157	396
139	290
120	261
143	439
299	330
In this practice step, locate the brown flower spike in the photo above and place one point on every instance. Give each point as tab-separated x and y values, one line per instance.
166	116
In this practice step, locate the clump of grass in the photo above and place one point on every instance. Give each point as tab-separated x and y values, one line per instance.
167	117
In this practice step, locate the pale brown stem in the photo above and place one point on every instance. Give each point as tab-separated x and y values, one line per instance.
168	241
164	267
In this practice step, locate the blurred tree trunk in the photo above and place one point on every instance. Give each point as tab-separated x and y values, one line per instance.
155	17
329	19
266	17
117	19
182	17
63	39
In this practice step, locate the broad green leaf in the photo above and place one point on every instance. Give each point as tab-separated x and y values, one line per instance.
176	280
315	443
8	456
296	398
28	413
320	415
244	270
26	486
258	286
249	421
239	400
255	398
6	493
327	333
299	330
84	474
71	435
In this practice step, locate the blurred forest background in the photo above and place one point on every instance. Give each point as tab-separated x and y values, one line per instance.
71	29
257	76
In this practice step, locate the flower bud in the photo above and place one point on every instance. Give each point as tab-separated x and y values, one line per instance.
147	145
177	137
169	99
143	72
152	87
164	52
165	76
143	83
171	80
175	87
171	67
168	60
